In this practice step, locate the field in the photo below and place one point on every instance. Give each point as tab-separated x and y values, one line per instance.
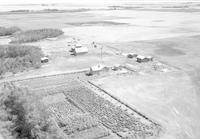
83	110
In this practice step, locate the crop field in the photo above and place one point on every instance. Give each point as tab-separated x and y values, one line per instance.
81	113
111	116
47	82
75	123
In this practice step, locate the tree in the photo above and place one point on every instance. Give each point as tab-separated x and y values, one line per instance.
24	116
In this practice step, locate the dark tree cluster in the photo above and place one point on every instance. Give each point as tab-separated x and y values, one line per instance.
35	35
8	31
23	116
15	58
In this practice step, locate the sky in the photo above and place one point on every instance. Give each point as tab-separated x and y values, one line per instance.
2	2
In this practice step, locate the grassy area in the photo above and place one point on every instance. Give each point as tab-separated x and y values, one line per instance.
8	31
35	35
15	58
23	116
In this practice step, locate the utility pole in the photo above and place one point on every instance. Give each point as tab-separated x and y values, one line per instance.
101	47
101	54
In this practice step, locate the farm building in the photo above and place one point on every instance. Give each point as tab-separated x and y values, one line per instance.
78	45
141	59
150	58
44	59
72	49
96	69
116	67
81	50
131	55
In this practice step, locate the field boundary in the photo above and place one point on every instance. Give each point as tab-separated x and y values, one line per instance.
43	76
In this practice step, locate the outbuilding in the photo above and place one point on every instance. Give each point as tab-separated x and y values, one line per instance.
96	69
116	67
131	55
81	50
141	59
44	59
78	45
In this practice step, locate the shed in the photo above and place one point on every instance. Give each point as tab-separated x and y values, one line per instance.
150	58
131	55
44	59
141	59
96	69
78	45
116	67
81	50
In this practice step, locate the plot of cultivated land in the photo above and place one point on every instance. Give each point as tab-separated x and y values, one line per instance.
111	116
168	98
56	98
45	82
84	110
72	120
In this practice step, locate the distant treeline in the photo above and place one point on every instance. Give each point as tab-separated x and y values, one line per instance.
52	10
24	11
23	116
8	31
35	35
124	7
90	23
183	6
48	10
16	58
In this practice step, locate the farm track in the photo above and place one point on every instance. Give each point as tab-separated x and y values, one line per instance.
88	98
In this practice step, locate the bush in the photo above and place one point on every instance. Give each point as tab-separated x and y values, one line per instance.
35	35
25	117
15	58
8	31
